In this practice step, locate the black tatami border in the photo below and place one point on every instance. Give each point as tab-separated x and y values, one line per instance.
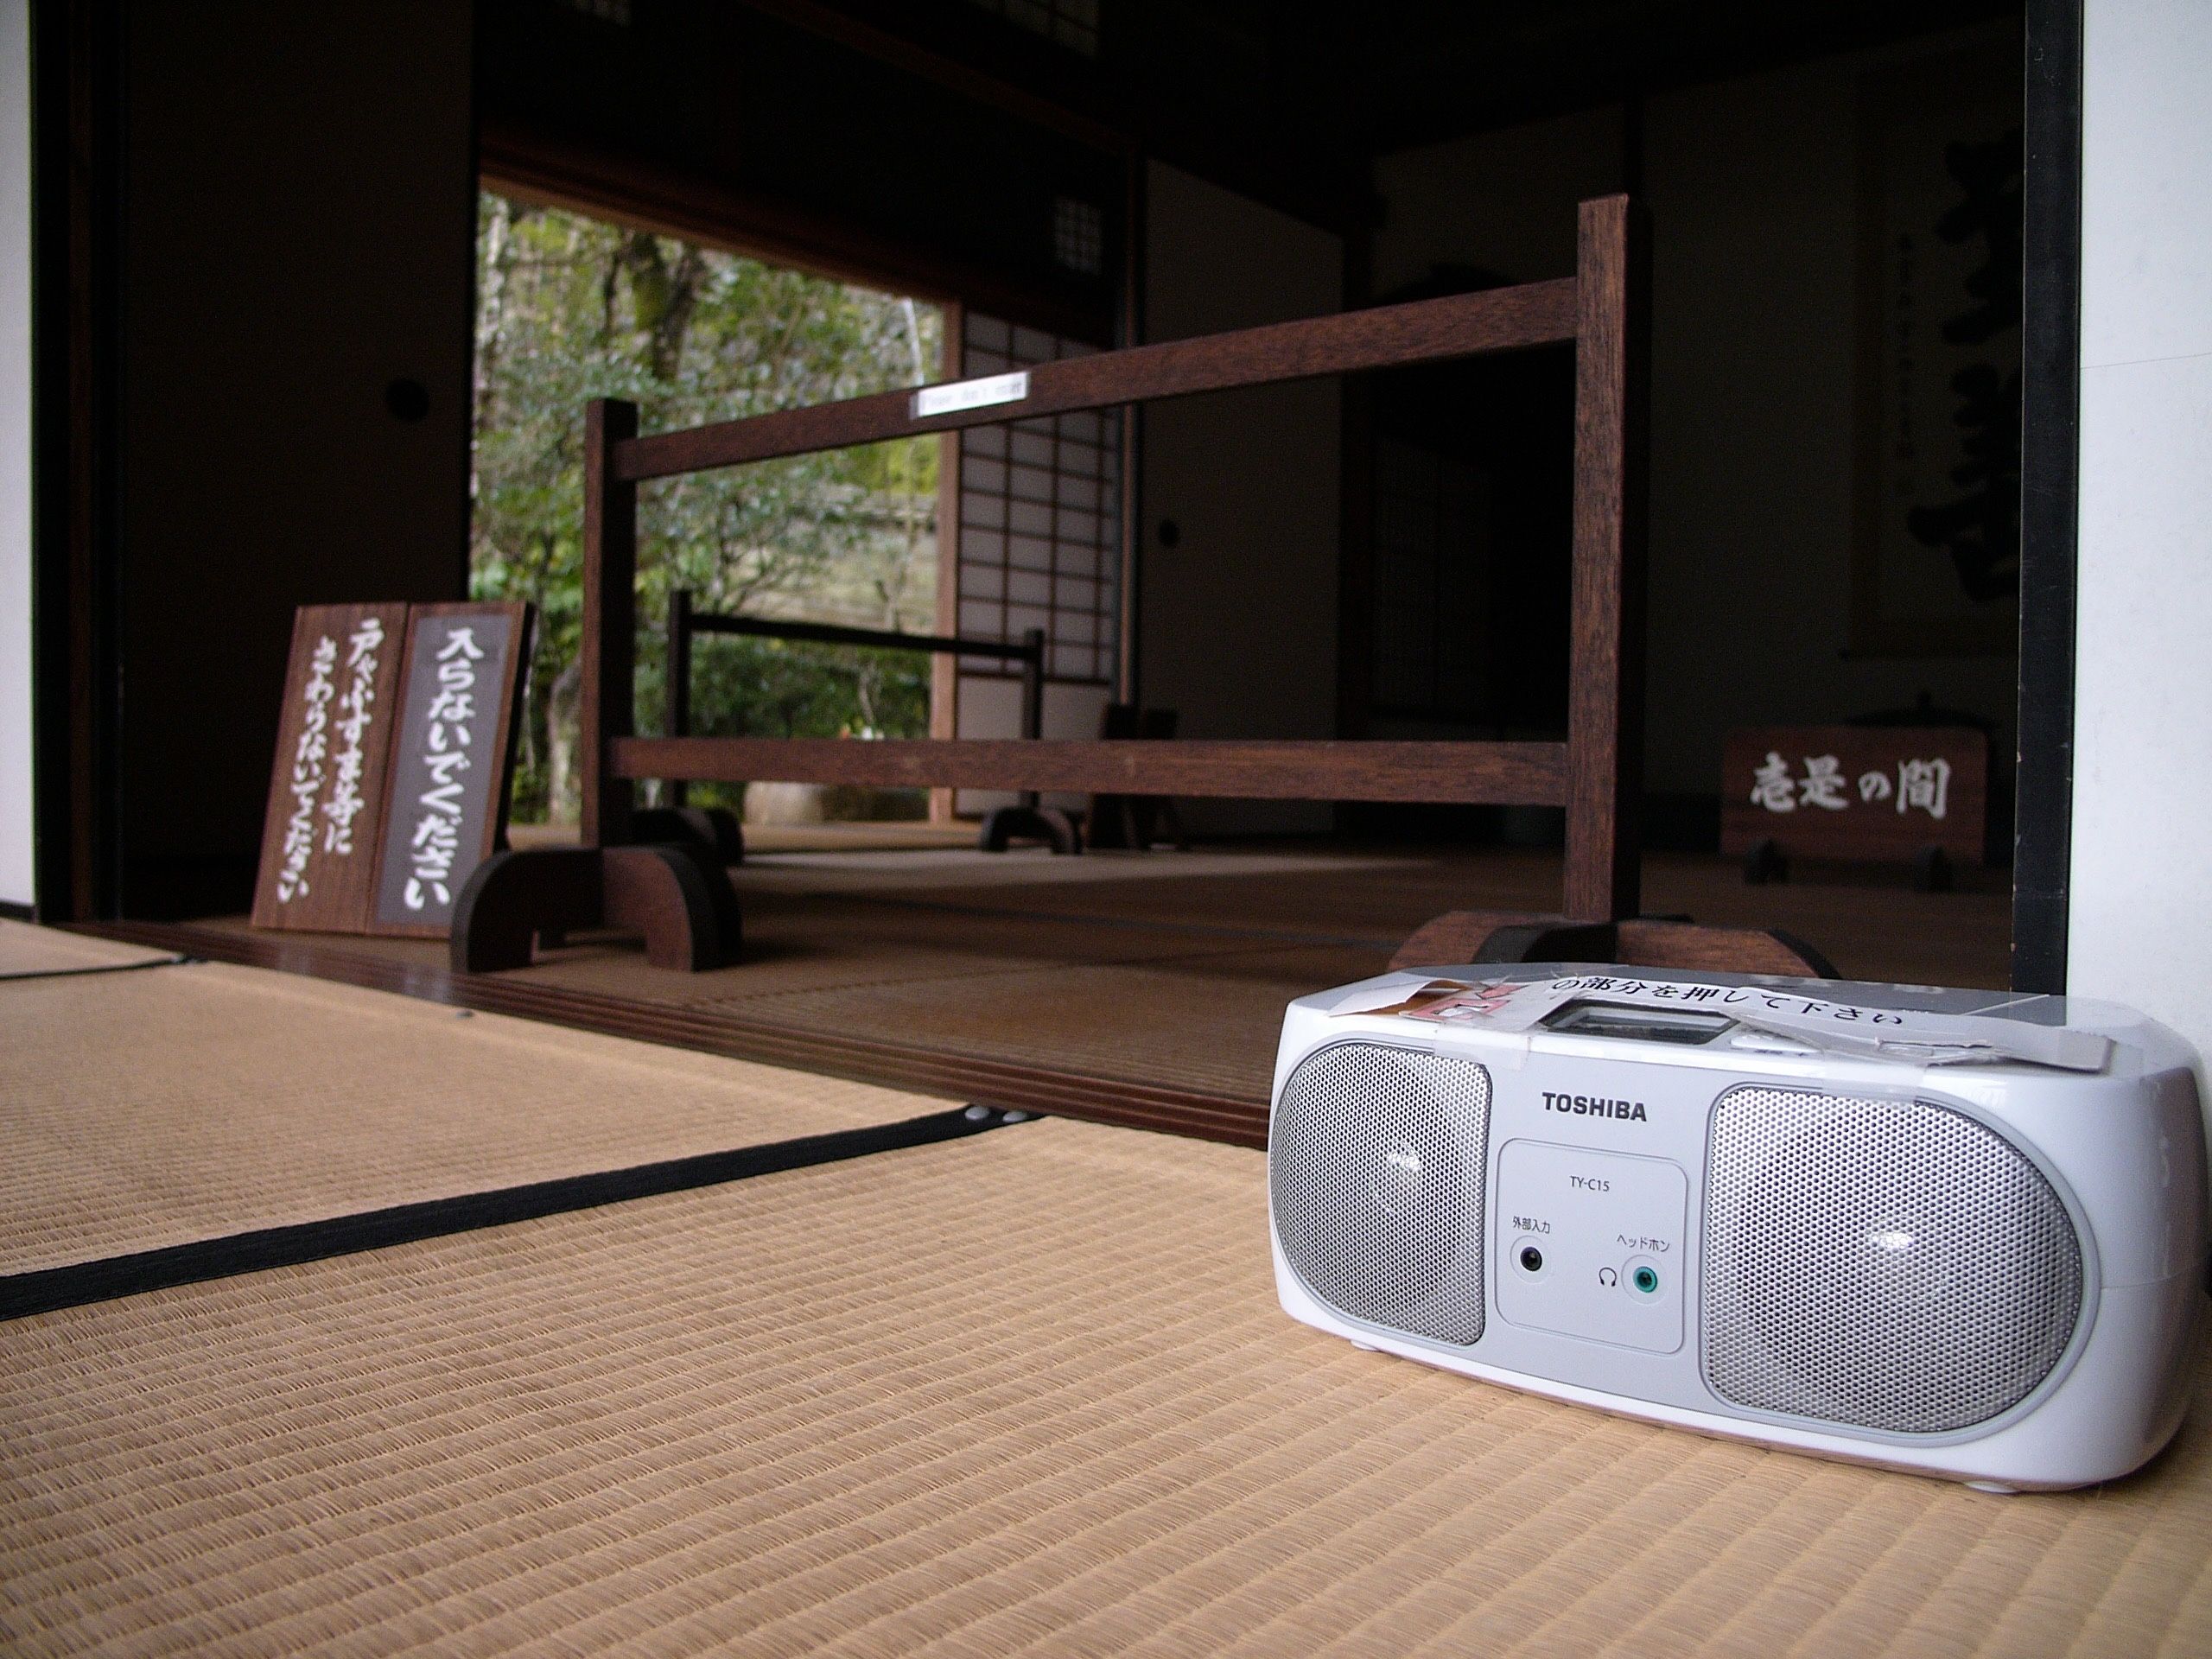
51	1288
179	961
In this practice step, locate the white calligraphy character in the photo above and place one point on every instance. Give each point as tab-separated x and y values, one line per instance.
1924	784
307	772
436	843
1873	786
1770	786
345	803
1823	783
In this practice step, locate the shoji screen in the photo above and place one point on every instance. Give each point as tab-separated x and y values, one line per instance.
1039	547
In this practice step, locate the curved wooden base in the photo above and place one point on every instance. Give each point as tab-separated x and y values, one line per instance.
1008	824
1135	823
710	826
675	894
1497	935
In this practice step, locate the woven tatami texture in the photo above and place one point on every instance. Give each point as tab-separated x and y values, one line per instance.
144	1109
1029	1392
1135	1001
802	944
25	950
1207	1021
1205	947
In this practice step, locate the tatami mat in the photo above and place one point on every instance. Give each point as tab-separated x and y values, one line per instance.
1206	1020
1170	971
28	951
1026	1393
151	1109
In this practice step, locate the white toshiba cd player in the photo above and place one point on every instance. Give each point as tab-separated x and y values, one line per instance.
1961	1233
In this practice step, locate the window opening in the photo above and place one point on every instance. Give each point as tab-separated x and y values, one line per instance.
571	307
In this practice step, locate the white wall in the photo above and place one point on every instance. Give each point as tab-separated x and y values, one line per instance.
1752	185
15	822
990	706
2140	924
1239	628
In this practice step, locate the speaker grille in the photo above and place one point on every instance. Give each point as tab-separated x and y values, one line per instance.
1892	1265
1376	1170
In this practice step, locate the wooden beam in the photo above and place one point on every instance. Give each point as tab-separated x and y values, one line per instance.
1114	137
530	165
1511	774
606	654
1045	86
1461	325
835	633
1604	713
944	671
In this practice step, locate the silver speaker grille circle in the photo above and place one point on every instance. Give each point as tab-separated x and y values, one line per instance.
1893	1265
1376	1163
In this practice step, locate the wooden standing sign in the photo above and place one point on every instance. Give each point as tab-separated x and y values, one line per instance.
326	797
452	758
393	758
1856	792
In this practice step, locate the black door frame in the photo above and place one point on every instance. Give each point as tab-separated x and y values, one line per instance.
2051	378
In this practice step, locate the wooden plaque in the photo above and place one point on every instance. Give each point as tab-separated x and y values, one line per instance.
326	793
1857	791
452	761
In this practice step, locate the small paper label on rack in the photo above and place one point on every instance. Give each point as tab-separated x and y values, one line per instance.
971	394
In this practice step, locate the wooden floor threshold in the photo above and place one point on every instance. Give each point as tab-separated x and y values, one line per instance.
925	1070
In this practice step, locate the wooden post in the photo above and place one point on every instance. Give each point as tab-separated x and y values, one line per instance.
606	656
1032	698
1605	719
944	670
679	683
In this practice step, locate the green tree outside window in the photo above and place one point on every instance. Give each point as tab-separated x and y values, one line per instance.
571	309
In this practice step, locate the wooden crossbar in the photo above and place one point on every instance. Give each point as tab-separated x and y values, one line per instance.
1517	774
834	633
1596	775
1386	336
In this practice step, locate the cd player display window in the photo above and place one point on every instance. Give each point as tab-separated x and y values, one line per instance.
1586	1018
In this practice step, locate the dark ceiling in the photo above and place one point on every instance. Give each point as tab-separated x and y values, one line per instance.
1294	99
943	139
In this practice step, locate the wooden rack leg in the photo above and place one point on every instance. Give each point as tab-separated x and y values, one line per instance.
715	827
1005	825
676	894
1765	862
1030	820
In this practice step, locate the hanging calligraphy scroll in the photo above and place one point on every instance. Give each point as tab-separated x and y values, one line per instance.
326	797
1856	792
1935	564
452	761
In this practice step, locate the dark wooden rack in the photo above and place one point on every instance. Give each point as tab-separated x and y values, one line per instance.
1596	774
1029	820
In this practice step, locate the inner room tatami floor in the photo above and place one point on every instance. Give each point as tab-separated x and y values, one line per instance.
1141	987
